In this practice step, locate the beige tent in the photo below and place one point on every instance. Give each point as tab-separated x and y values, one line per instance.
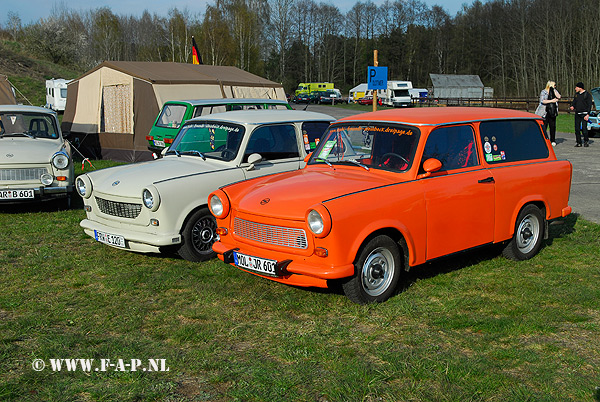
7	95
112	107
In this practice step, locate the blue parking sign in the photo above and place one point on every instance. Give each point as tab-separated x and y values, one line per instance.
377	77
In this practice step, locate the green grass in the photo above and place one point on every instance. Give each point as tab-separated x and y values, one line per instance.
565	123
32	90
475	327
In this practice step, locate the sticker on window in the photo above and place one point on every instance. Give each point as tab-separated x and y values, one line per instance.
327	149
487	147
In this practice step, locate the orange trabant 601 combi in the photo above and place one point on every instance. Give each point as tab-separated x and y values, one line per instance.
390	190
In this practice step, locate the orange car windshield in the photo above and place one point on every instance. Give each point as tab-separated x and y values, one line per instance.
390	147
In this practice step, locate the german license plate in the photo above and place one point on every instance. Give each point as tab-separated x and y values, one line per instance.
16	194
256	264
110	239
159	143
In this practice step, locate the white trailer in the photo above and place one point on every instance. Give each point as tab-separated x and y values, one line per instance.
397	93
56	94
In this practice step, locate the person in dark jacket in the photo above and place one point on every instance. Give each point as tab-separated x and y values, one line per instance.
582	106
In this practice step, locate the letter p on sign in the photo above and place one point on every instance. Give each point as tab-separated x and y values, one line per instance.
377	77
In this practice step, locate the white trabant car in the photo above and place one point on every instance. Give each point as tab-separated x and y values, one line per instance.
35	159
155	206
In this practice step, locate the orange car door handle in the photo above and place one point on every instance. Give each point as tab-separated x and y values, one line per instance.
487	180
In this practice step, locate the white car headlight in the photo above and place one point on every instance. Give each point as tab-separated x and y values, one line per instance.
80	185
46	179
315	222
83	186
60	160
150	198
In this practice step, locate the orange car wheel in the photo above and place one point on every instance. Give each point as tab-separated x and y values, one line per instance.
376	272
528	236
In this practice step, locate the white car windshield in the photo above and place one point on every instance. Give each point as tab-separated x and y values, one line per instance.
390	147
214	140
33	125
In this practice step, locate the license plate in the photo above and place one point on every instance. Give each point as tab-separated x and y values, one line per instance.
159	143
110	239
16	194
260	265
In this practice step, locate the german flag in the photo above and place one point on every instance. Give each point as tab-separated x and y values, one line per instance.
196	58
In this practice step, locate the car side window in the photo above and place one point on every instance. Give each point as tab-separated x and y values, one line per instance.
273	142
171	116
197	111
213	109
453	146
312	131
512	141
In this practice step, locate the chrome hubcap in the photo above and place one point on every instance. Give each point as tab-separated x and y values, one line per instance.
377	272
528	233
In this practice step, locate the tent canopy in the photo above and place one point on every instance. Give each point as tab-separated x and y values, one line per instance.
459	86
111	108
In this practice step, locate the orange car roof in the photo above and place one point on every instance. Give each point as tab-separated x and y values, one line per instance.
439	115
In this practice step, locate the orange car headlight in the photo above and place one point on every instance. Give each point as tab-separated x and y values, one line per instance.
219	204
318	220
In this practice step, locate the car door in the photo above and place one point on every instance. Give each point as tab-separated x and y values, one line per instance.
459	198
278	146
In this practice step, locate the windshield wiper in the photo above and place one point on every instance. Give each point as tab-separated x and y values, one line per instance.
194	152
23	133
326	161
176	152
358	163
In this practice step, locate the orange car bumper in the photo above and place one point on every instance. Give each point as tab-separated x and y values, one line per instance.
296	273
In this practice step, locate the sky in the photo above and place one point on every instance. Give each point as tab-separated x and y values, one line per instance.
32	10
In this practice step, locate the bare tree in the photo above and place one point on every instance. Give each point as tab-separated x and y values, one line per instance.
281	29
106	34
216	42
13	24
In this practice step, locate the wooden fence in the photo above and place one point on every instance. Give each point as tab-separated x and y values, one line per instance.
526	104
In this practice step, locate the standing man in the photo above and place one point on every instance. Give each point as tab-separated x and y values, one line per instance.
582	105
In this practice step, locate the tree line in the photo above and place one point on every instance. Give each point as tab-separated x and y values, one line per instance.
515	46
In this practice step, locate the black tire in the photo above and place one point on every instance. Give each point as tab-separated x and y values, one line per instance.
376	272
198	237
528	236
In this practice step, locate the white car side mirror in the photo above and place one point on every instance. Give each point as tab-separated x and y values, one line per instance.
253	159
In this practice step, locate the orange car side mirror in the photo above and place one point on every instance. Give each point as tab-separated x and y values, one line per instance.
430	166
307	157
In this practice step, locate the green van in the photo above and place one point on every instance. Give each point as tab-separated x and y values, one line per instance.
174	113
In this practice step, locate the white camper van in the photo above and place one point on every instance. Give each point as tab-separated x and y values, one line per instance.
56	94
397	93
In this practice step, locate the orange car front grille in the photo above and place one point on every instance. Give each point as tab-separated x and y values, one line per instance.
269	234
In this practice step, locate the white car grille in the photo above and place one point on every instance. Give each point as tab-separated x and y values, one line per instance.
269	234
22	174
120	209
